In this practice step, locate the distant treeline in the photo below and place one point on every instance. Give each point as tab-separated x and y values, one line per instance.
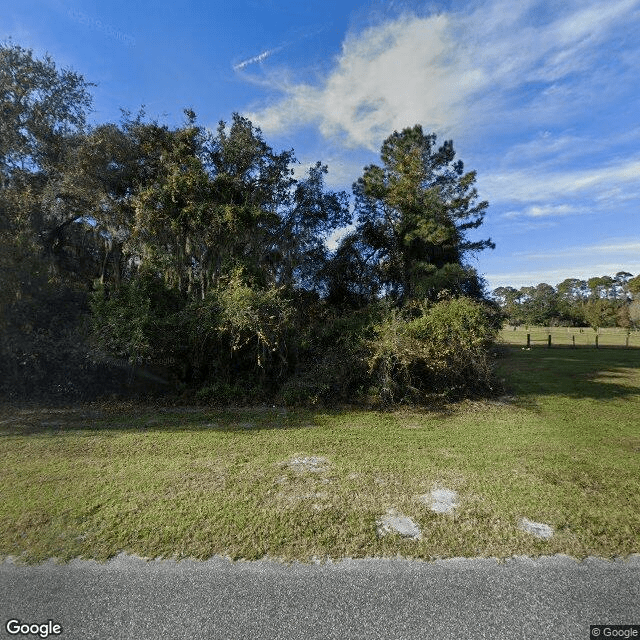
604	301
200	250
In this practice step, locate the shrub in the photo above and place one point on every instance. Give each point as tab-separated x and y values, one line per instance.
332	357
139	322
221	393
45	352
253	327
442	351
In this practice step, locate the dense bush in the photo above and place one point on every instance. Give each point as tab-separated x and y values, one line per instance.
332	356
45	351
139	322
442	351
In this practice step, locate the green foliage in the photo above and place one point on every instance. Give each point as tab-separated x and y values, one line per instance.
444	350
223	393
139	322
414	212
41	105
201	249
598	302
332	356
634	286
253	327
634	314
601	313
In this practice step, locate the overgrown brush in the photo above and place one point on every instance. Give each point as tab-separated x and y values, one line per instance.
443	350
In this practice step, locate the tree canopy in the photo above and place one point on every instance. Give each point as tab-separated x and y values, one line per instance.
414	213
202	250
600	301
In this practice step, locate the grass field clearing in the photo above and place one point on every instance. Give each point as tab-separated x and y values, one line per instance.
95	480
565	336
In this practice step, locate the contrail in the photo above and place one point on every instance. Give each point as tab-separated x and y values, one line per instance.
259	58
265	54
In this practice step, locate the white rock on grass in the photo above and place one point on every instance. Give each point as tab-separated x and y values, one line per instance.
308	463
444	500
394	522
441	500
538	529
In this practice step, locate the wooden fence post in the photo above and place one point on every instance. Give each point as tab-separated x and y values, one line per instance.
528	340
627	341
549	342
597	341
573	339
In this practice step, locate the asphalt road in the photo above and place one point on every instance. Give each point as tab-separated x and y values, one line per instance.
554	597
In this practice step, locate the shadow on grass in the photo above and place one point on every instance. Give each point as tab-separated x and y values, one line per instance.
600	374
121	417
606	374
117	417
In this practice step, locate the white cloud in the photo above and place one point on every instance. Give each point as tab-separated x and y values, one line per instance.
444	71
613	248
584	261
388	77
546	146
543	211
527	186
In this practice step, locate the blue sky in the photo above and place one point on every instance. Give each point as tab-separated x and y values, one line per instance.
541	98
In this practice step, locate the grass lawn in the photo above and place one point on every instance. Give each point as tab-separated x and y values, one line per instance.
95	480
568	336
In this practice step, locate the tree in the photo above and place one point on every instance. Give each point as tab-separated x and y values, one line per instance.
213	203
633	286
312	215
573	289
509	300
350	278
174	210
110	165
42	300
601	313
572	294
211	215
539	304
41	107
43	116
622	278
203	250
601	287
634	314
414	212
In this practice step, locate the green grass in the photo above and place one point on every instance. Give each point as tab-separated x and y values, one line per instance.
177	484
568	336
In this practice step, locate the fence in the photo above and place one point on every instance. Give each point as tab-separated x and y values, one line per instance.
570	337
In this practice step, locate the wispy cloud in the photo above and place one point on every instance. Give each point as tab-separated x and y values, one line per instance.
620	248
619	178
543	211
530	278
447	70
528	268
552	277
